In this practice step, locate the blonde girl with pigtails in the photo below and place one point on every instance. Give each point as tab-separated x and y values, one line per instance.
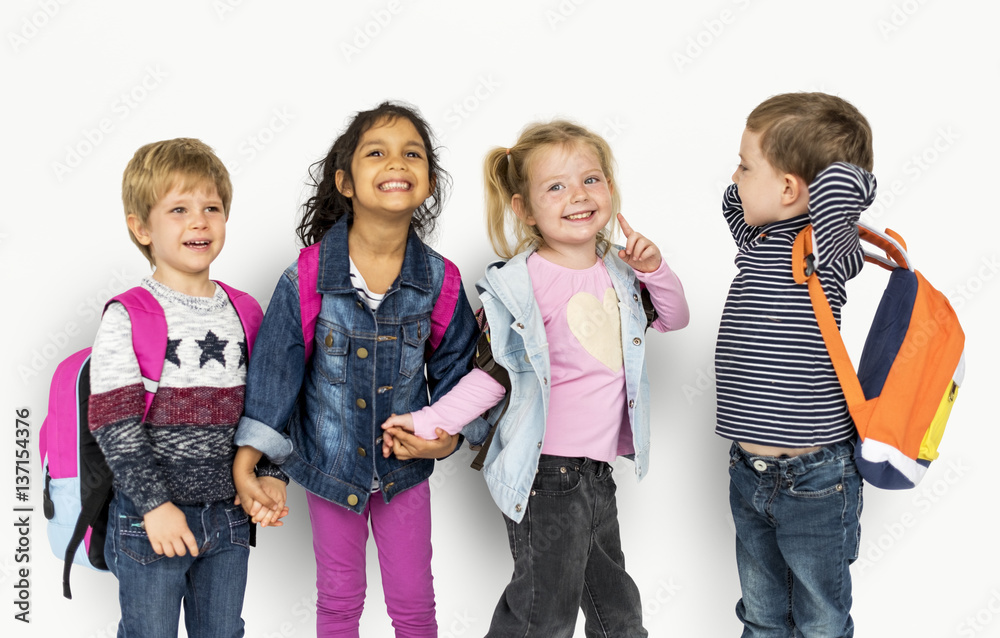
567	323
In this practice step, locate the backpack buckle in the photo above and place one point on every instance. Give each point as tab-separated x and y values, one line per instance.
810	265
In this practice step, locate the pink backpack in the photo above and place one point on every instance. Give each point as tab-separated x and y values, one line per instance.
78	482
310	301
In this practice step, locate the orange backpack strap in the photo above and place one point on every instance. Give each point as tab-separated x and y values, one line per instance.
803	271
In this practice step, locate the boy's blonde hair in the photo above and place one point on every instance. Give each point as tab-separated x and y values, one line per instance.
803	133
507	172
156	168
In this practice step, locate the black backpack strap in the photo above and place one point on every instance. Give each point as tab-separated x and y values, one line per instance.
647	306
89	510
485	362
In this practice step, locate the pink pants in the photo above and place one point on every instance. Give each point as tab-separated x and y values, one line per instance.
402	531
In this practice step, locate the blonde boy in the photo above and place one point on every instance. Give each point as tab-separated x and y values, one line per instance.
795	493
175	535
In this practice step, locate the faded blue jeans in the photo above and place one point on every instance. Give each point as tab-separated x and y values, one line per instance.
152	587
567	556
797	532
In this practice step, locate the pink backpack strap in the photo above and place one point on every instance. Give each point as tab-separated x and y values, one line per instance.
444	307
248	310
310	301
149	336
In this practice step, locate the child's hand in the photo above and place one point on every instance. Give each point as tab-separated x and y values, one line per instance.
168	531
276	490
393	423
410	446
639	253
250	491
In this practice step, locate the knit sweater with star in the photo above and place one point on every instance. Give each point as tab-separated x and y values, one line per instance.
183	452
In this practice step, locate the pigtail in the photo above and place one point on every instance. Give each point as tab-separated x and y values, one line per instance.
496	178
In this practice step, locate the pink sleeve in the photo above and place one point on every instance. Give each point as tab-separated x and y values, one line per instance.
475	393
667	293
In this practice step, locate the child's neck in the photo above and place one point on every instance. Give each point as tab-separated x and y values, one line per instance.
192	286
575	258
377	250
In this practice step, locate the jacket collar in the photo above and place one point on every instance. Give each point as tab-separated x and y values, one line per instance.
335	269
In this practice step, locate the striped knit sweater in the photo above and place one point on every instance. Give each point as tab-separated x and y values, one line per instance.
184	451
775	382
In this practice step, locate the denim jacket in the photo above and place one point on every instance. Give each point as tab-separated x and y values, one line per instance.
321	420
518	342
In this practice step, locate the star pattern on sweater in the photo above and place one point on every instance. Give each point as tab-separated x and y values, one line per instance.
212	348
172	355
244	354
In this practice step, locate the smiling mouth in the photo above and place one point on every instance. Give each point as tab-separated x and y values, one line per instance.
395	186
199	243
583	215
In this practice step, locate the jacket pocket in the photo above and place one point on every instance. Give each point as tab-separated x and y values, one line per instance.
331	352
415	335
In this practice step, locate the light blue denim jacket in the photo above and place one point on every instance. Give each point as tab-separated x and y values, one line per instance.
518	341
321	420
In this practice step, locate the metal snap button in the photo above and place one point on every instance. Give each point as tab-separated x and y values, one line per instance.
759	465
362	452
517	508
361	403
329	340
352	500
362	353
562	470
637	341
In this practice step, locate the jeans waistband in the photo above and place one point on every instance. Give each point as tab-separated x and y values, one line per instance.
578	463
843	449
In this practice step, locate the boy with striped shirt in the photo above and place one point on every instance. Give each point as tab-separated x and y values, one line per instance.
795	492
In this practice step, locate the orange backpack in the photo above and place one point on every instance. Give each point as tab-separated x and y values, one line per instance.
911	367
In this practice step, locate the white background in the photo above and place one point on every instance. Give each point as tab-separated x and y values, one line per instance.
669	84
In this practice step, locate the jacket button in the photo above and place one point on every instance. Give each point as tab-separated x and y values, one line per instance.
362	452
521	326
517	508
635	297
637	341
329	340
539	445
352	500
361	403
631	403
527	359
362	353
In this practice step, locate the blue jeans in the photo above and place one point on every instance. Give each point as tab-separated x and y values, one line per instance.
567	555
152	587
797	532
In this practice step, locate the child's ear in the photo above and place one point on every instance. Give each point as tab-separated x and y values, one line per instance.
138	229
343	183
517	205
795	191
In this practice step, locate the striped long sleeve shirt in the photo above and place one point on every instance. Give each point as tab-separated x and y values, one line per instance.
775	382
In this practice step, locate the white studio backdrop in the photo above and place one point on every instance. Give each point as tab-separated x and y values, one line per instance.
269	85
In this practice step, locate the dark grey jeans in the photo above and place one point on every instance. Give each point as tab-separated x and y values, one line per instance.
567	555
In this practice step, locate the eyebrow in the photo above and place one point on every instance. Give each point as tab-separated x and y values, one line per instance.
381	142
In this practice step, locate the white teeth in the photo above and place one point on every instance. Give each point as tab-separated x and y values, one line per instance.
394	185
579	215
